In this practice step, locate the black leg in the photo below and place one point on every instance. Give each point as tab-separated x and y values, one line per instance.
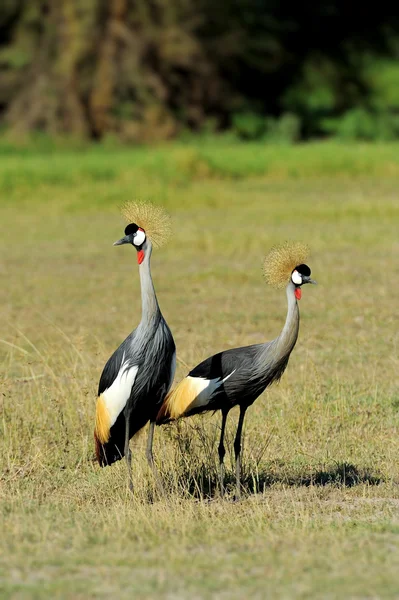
148	452
150	456
237	450
128	453
222	452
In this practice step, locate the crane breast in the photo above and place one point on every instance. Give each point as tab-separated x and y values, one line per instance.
113	400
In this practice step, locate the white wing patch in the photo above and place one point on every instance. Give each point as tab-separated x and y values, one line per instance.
205	389
191	393
116	396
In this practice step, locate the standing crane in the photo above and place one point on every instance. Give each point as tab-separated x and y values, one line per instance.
240	375
138	375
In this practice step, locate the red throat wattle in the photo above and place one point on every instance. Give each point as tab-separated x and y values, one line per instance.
140	256
298	293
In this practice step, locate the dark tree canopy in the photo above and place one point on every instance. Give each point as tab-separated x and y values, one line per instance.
145	69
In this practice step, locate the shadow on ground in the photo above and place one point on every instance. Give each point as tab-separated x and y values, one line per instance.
201	484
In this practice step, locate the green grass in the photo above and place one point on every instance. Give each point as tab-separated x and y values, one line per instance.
319	515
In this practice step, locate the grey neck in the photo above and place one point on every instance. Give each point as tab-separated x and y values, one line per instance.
282	346
149	302
289	335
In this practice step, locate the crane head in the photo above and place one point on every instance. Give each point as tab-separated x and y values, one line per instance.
279	266
299	276
136	236
151	218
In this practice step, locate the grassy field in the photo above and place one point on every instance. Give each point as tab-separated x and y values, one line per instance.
319	516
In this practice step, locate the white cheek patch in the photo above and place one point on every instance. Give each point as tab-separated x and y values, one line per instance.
296	277
139	238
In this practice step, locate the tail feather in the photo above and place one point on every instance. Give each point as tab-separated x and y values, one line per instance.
163	415
111	448
190	395
170	409
108	453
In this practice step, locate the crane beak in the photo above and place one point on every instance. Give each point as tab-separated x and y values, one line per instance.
124	240
309	280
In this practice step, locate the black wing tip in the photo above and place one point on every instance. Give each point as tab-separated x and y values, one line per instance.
105	454
163	416
164	421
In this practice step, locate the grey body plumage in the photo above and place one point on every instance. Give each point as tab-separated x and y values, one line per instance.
249	370
237	376
148	355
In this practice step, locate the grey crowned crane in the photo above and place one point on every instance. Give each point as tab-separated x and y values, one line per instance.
238	376
138	375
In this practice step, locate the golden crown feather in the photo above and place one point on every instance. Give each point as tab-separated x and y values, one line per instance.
154	219
282	260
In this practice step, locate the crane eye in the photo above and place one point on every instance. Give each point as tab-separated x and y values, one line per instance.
131	228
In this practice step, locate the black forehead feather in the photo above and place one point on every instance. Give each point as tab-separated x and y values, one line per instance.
131	228
303	270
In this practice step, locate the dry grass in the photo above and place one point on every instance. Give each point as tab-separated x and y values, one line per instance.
319	517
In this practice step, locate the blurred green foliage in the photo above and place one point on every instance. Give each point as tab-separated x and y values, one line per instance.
249	125
253	126
149	70
361	124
